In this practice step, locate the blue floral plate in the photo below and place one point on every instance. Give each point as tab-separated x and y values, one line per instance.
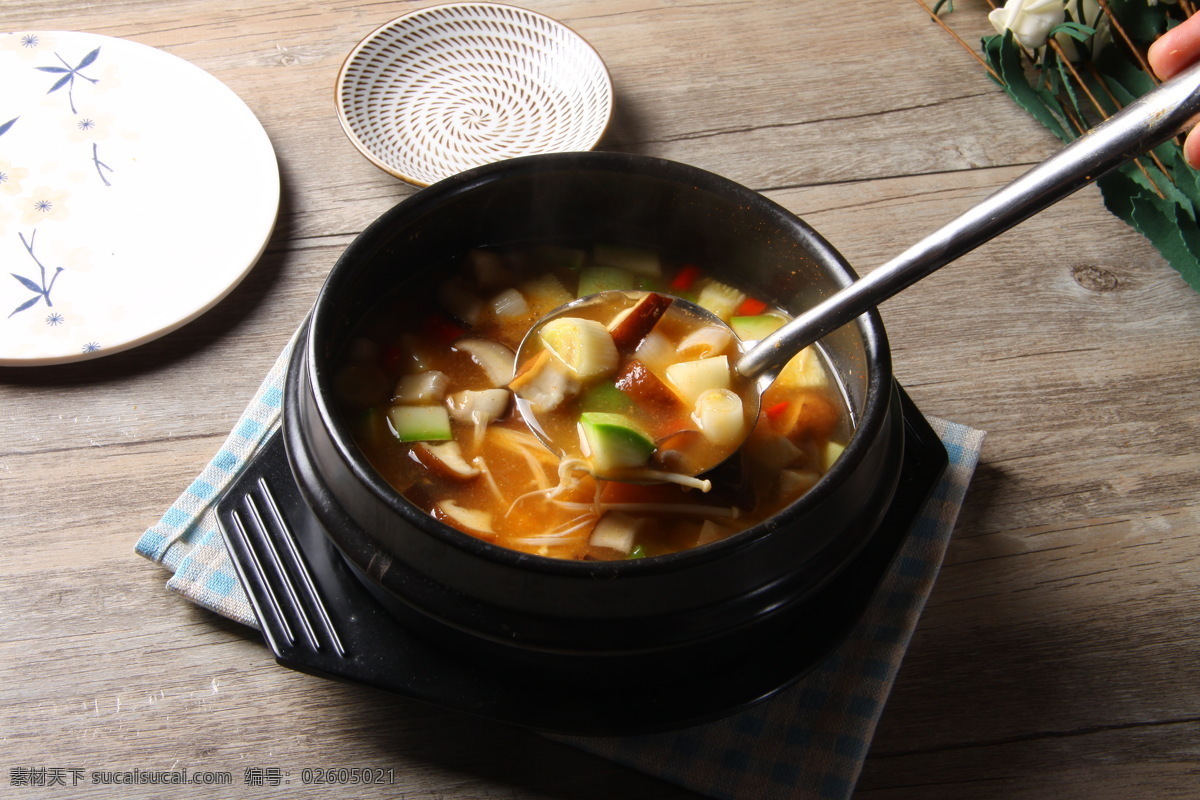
136	190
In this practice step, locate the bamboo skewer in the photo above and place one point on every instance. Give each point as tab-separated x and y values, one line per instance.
959	39
1112	19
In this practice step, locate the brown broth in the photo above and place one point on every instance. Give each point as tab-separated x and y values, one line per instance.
518	489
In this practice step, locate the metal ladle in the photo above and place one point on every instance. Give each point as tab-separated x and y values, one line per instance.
1162	113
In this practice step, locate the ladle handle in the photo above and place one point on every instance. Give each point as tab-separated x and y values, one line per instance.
1160	114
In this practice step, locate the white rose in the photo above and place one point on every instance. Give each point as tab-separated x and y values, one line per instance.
1029	20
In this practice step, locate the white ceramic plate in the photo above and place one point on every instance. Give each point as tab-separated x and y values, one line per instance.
136	190
454	86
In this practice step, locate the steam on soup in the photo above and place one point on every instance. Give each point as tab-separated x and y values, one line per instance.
632	389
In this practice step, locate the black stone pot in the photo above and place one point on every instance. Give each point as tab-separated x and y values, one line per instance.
706	608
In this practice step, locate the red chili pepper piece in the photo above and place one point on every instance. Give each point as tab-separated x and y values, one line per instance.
774	411
751	307
445	330
685	278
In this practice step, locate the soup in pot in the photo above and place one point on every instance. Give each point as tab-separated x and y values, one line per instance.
633	390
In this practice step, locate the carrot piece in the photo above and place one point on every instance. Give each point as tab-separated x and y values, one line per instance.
809	414
776	411
527	370
685	278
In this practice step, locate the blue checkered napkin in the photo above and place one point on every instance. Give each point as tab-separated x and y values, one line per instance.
186	540
807	742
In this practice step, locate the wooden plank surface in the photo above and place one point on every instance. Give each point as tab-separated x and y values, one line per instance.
1059	653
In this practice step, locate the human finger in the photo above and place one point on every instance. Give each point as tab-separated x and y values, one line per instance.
1191	149
1176	49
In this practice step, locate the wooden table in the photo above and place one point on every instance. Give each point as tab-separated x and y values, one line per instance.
1059	654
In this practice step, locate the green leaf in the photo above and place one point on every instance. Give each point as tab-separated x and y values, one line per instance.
1160	221
1114	65
1187	181
1143	22
1076	30
1189	269
1068	85
1164	184
1004	56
